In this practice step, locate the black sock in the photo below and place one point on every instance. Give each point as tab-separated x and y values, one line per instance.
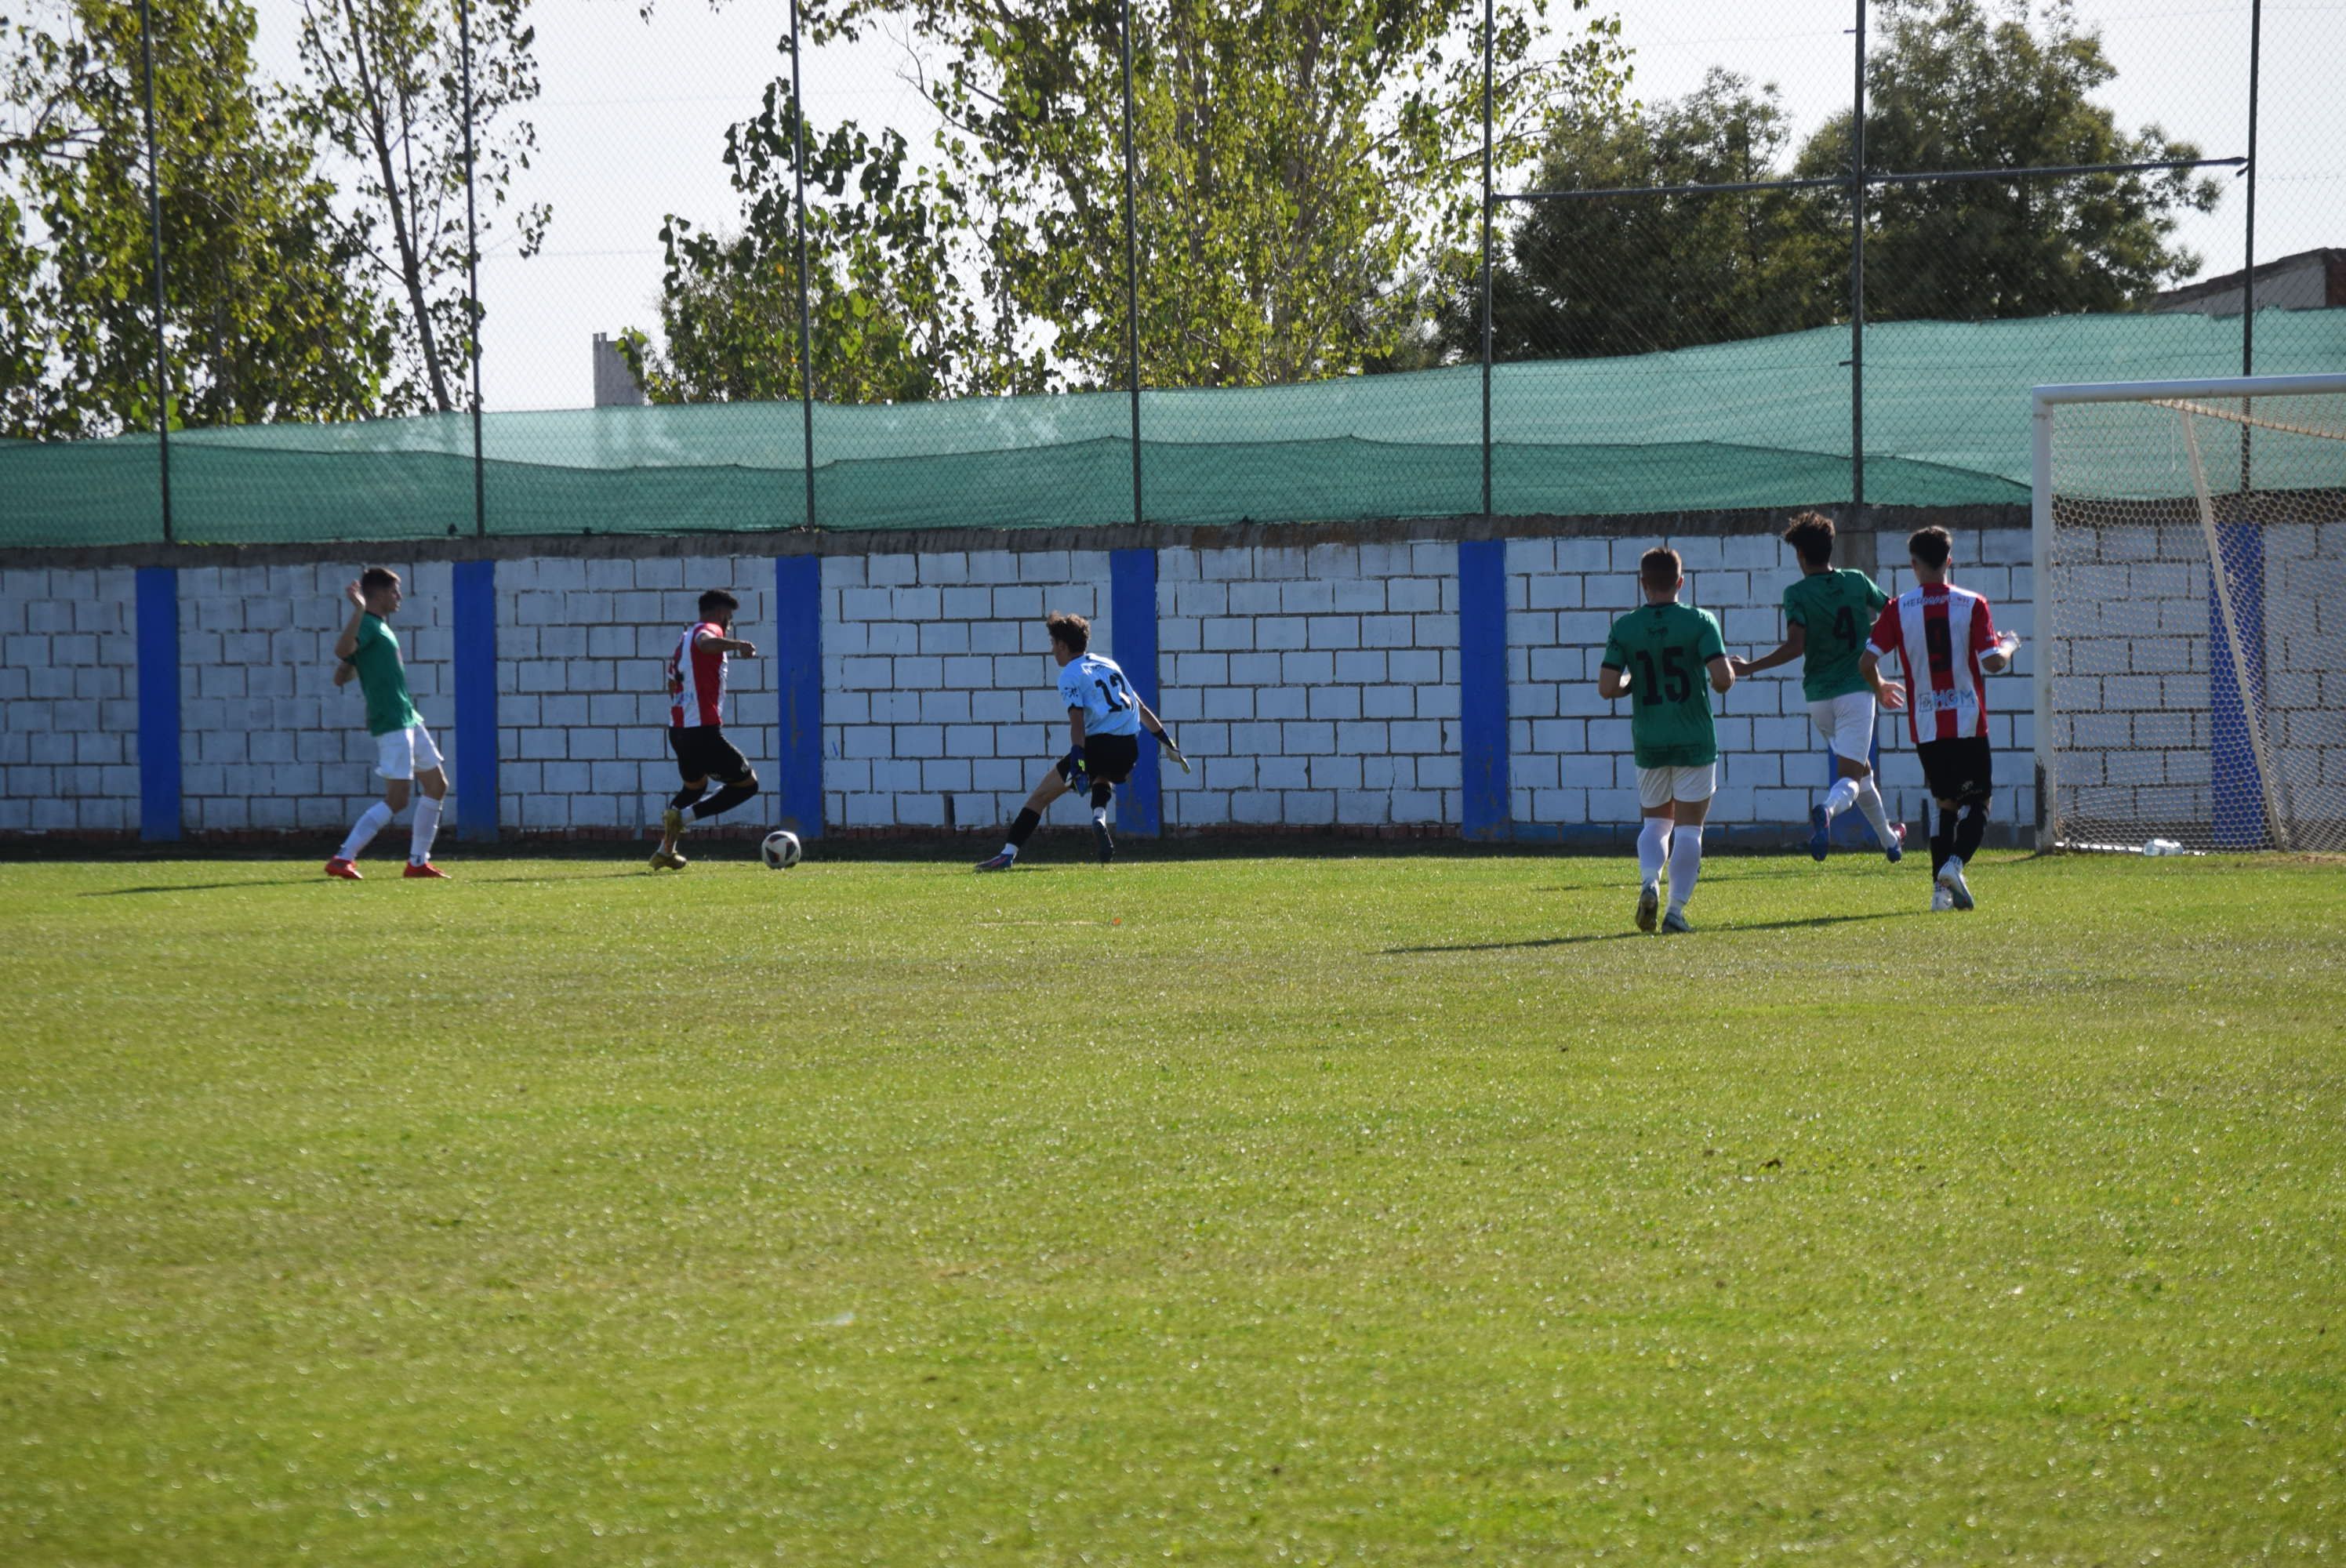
1969	830
725	799
1943	837
1024	828
686	797
1101	795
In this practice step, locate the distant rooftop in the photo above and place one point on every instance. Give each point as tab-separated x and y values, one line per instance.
2309	280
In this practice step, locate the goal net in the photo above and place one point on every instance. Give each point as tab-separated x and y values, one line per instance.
2190	552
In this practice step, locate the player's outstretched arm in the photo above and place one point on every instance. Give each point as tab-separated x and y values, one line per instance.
1163	732
1795	644
1891	696
1722	674
348	643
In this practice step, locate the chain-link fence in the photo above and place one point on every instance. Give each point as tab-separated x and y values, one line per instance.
293	271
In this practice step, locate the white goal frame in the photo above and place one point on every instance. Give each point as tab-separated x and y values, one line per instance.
2044	400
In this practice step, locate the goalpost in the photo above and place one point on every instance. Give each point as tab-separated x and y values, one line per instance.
2190	595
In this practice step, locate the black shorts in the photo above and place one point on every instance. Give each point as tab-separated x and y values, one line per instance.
1107	759
1961	771
703	753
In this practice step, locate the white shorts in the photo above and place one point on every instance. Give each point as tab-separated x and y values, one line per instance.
1847	724
1660	786
404	753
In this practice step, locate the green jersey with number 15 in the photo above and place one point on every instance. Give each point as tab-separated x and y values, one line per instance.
1838	609
1666	651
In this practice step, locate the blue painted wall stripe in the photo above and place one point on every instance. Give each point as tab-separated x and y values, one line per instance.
159	704
1132	614
474	591
798	681
1482	686
2236	787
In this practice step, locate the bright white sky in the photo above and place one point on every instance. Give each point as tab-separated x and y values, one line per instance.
633	116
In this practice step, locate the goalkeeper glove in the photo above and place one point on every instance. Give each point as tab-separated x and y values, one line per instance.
1071	765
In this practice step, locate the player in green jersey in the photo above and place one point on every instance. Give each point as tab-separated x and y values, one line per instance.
1658	657
368	653
1827	615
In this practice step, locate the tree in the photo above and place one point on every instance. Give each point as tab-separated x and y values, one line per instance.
263	319
1957	87
891	320
1639	274
1306	168
1950	86
386	88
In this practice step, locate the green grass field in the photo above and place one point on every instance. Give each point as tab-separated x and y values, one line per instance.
1401	1210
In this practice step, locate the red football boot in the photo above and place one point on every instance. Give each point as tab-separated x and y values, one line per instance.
339	866
426	869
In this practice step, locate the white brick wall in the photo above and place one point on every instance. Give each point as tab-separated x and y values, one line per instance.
939	692
69	691
582	704
2132	686
1311	686
268	742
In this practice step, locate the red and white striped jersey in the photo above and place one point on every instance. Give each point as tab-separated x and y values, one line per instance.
1944	629
695	679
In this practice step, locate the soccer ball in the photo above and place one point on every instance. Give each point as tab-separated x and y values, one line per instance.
780	851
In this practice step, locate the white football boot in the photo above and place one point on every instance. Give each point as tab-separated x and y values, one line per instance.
1951	880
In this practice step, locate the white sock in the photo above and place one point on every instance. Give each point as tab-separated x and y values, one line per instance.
1685	864
1840	797
427	826
1011	850
1869	800
1653	847
372	820
1099	815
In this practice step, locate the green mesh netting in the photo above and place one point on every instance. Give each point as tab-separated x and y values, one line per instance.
1763	424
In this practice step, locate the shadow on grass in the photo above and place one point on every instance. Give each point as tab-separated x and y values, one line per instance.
1621	935
323	881
201	887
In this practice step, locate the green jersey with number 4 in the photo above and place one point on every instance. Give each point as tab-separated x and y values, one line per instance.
1838	609
1666	651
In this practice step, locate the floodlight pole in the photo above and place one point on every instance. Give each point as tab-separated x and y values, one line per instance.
473	277
1856	279
1488	47
154	242
806	331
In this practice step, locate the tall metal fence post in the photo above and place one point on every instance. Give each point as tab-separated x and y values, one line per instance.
2249	258
806	324
1487	51
1856	279
473	277
155	239
2249	261
1131	259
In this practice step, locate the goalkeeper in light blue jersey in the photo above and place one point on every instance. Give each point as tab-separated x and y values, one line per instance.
1105	719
